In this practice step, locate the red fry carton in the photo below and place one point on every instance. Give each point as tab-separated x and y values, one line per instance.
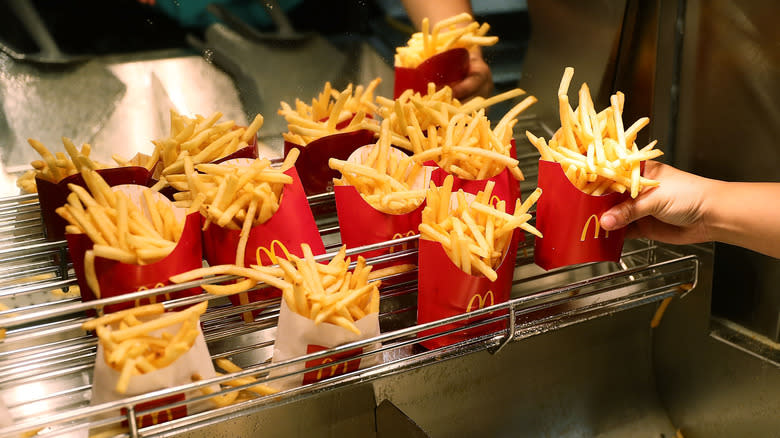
569	221
316	176
297	336
362	224
195	361
444	290
291	225
54	195
117	278
442	69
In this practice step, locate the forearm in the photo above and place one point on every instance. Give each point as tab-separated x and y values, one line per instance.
435	10
745	214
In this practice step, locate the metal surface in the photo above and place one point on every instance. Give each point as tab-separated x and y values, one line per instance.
713	388
49	103
583	35
728	129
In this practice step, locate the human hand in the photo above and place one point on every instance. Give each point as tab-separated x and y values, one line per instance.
673	212
479	80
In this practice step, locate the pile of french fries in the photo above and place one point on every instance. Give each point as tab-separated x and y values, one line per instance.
385	181
474	234
597	153
55	166
454	32
411	110
130	345
328	110
330	293
463	143
233	196
119	227
202	138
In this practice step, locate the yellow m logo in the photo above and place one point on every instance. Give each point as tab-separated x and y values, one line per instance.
332	370
402	246
480	301
152	299
272	253
596	229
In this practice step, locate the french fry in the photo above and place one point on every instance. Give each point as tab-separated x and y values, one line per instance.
453	32
598	155
134	350
474	234
330	108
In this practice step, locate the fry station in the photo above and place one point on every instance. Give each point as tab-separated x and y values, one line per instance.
278	219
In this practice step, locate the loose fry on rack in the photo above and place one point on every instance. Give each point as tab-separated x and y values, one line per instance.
134	350
474	234
453	32
598	155
328	111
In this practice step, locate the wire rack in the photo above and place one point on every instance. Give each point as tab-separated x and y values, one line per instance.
46	359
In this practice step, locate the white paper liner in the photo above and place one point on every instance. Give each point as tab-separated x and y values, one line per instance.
196	361
135	193
295	333
360	155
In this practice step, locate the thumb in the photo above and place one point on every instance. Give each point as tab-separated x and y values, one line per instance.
626	212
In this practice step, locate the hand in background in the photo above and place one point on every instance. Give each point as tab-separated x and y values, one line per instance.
479	81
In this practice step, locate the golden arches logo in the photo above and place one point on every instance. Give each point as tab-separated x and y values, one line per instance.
331	370
155	418
152	299
480	301
494	200
596	229
272	253
404	245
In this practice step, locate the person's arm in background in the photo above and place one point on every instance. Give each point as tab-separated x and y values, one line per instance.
687	208
479	81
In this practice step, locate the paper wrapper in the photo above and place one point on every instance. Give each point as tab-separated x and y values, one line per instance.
117	278
444	290
196	361
54	195
298	336
569	221
291	225
445	68
362	224
316	176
